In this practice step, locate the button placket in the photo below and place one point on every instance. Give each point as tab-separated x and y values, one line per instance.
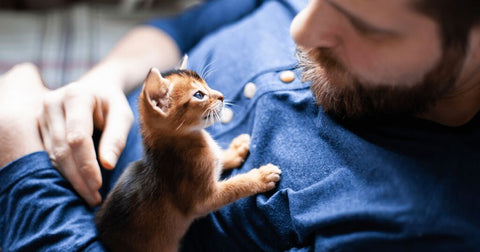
227	115
249	90
287	76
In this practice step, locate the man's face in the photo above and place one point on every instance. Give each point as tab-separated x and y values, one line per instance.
373	57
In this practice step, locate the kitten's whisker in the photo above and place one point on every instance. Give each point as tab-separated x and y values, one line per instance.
228	104
218	118
210	118
206	68
206	112
202	71
214	114
179	126
208	72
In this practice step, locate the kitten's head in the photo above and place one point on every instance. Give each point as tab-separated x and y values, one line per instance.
178	101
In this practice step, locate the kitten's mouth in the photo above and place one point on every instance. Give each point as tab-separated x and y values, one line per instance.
213	115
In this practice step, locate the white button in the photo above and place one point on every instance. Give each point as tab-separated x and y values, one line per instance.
227	115
250	89
287	76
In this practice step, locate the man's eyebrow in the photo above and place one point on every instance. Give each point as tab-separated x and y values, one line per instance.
358	22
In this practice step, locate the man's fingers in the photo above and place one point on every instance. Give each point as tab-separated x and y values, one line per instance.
73	175
52	123
67	124
118	123
81	146
79	130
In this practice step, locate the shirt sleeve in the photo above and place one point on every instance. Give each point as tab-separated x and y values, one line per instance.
41	211
192	25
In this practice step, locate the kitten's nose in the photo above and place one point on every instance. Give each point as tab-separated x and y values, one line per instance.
218	95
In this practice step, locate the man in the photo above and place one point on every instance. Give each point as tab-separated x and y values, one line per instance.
387	160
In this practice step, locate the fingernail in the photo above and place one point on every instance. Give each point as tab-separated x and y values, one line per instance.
111	159
97	198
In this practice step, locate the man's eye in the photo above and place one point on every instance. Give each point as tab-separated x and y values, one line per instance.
199	95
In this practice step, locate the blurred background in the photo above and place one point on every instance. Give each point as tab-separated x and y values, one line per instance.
65	38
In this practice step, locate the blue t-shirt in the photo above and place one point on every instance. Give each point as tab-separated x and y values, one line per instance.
398	184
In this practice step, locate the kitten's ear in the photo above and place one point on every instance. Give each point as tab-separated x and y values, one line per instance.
155	90
183	63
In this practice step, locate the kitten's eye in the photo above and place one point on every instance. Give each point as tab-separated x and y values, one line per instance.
199	95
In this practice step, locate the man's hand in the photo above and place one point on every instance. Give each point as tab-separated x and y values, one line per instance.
97	100
67	121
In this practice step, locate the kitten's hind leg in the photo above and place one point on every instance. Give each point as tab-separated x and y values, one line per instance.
237	152
239	186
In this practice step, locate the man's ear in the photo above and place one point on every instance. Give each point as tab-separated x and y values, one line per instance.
155	90
183	63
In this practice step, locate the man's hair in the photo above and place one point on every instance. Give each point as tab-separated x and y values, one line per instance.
455	17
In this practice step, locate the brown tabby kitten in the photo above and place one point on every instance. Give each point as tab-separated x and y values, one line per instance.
157	198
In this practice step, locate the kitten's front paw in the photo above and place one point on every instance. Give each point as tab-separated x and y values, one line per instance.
267	175
237	152
241	145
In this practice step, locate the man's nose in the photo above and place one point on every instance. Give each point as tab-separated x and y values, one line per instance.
316	26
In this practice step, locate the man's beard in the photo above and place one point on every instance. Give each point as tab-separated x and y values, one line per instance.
344	96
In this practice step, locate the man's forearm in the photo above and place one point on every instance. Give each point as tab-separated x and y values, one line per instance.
131	58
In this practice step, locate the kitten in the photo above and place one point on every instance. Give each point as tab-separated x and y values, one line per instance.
157	198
